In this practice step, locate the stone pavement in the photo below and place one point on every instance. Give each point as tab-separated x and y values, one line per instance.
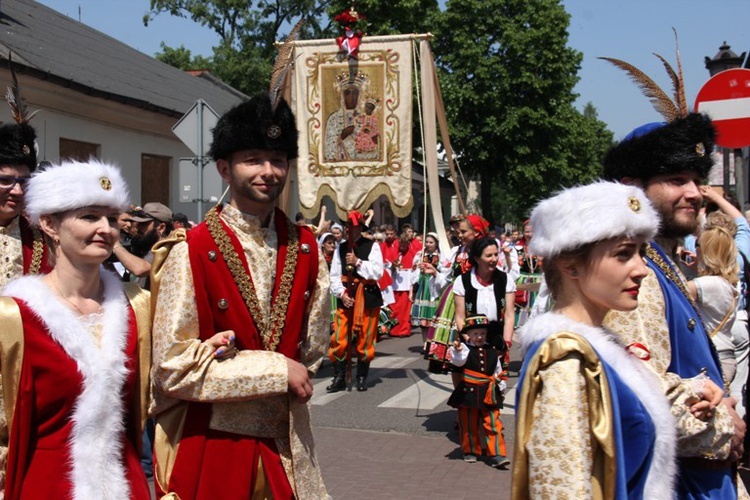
366	465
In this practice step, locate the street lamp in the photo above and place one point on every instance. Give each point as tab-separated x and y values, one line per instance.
723	60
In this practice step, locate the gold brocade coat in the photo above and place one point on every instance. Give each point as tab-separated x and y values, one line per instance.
248	393
647	326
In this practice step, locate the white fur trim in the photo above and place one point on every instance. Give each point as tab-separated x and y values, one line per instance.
74	185
585	214
96	438
634	374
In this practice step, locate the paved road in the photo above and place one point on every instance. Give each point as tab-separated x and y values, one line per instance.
397	440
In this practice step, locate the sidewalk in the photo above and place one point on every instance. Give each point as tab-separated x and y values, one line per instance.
383	465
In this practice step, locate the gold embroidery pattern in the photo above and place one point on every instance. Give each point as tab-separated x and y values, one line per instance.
652	254
37	251
271	330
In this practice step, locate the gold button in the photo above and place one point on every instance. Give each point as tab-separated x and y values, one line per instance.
223	304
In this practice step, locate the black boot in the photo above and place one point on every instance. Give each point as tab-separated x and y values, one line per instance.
362	368
339	377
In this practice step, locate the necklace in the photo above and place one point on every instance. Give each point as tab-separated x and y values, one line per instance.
59	292
483	282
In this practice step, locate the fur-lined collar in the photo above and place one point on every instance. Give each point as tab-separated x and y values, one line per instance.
96	442
635	375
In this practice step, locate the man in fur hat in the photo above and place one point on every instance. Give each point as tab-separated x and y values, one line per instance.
356	267
23	248
240	427
669	161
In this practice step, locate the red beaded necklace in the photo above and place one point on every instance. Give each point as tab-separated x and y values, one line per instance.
483	282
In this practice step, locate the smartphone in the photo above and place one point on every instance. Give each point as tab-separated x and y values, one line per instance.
687	258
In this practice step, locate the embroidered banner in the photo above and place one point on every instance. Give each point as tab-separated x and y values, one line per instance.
355	121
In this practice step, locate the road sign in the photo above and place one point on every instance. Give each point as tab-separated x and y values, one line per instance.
195	127
726	99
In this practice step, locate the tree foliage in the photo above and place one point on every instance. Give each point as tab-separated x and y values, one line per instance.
508	83
506	71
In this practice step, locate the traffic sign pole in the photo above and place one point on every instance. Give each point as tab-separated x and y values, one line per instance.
200	103
725	97
194	130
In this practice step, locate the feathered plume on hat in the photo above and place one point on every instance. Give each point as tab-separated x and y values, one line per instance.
266	121
17	140
684	142
587	214
72	185
282	66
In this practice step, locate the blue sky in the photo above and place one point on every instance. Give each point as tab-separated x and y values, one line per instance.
626	29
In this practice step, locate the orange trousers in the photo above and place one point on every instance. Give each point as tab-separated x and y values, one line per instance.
342	322
481	429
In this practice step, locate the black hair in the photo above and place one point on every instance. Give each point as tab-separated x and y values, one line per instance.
478	247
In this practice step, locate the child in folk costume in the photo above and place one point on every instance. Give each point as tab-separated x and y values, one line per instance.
442	331
401	271
427	265
479	395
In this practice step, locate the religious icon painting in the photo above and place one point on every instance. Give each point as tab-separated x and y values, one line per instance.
355	121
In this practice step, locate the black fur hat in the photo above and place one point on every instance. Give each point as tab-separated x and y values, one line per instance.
255	125
663	148
17	145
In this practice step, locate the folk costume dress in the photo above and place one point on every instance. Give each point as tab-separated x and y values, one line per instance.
591	420
530	273
666	332
23	251
486	299
75	392
230	429
428	292
442	331
401	286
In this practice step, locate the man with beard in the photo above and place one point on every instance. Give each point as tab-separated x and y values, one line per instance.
153	222
23	248
669	161
239	427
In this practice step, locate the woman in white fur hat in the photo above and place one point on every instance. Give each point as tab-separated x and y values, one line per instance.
592	421
75	349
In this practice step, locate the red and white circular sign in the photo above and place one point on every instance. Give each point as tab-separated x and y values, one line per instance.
726	99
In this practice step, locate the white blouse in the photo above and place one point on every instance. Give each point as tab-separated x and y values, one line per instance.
485	295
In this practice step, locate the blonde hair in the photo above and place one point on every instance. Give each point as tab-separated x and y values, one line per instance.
718	254
720	219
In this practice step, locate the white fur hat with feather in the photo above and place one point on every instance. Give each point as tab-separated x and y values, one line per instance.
72	185
587	214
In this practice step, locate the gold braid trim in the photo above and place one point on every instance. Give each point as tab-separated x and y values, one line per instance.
269	331
37	251
652	254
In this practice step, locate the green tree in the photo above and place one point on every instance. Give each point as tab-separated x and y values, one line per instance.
245	54
182	58
507	80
